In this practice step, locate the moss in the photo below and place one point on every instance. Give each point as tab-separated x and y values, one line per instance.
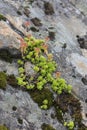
40	95
12	80
82	127
2	17
47	127
3	80
66	101
3	127
59	113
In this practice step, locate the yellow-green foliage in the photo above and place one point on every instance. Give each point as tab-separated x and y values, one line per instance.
37	53
69	124
2	127
45	81
45	104
3	80
44	67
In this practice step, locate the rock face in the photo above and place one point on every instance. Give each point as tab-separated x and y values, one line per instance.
62	20
80	64
29	69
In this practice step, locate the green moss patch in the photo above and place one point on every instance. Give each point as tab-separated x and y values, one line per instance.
47	80
47	127
3	127
59	113
40	96
82	127
2	17
66	101
3	80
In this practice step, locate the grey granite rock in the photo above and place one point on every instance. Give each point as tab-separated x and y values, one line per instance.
29	69
68	21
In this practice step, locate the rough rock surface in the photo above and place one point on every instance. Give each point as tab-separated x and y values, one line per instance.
29	69
68	20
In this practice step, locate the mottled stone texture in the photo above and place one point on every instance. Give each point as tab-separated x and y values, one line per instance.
62	20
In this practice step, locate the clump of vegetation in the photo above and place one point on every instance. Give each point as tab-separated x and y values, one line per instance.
46	81
3	80
2	17
64	102
47	127
69	125
45	104
3	127
36	52
59	113
43	97
82	127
